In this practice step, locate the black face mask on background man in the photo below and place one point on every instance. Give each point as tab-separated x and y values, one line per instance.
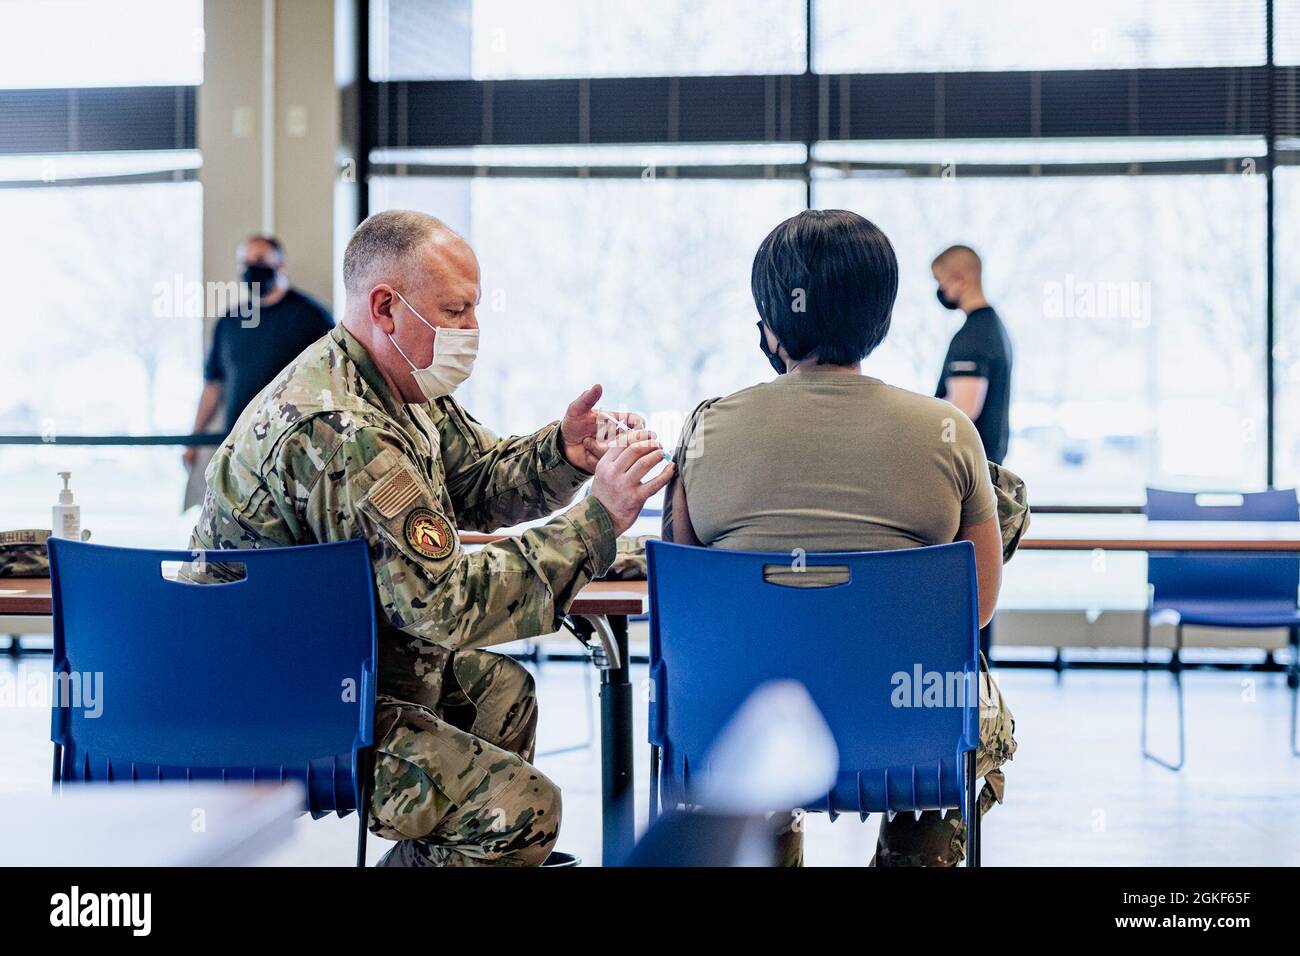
944	301
263	275
773	359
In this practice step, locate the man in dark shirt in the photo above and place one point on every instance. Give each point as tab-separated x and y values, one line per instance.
248	350
976	374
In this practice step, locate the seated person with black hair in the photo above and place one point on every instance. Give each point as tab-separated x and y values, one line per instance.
825	458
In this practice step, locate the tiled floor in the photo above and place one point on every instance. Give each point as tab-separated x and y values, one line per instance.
1078	791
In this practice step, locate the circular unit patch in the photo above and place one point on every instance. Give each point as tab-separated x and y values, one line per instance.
429	534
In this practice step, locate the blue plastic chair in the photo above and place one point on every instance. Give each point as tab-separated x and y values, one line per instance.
853	645
1217	590
268	678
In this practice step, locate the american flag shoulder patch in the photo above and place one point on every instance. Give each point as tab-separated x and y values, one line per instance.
395	491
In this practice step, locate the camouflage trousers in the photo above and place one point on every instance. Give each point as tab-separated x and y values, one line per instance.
935	838
456	786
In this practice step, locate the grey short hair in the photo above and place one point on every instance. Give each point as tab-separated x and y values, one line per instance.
384	241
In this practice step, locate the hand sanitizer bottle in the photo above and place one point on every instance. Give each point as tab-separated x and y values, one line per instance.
67	516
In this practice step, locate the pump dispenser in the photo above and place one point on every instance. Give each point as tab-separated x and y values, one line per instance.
67	515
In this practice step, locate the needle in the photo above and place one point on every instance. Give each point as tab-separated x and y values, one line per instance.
622	426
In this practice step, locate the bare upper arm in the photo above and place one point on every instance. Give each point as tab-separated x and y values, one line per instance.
987	538
677	525
967	392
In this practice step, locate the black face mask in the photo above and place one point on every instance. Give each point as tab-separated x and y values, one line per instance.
261	274
944	301
773	359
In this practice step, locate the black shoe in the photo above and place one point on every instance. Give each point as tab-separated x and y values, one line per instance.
557	858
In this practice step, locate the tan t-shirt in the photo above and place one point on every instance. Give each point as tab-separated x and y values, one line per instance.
831	461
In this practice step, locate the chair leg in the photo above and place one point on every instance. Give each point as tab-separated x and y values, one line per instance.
1176	672
1146	666
590	693
1293	682
363	809
654	785
1295	708
972	813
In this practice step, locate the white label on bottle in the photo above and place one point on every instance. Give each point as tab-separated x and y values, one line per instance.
70	525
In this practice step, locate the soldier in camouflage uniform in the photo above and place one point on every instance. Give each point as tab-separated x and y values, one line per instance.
352	441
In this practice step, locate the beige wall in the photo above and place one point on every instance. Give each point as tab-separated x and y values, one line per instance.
230	130
283	183
307	141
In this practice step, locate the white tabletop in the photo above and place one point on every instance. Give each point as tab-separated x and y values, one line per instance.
147	824
1129	527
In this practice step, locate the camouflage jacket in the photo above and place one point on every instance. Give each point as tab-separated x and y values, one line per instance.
1013	507
327	453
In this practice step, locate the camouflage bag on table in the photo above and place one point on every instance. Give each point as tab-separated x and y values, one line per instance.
23	555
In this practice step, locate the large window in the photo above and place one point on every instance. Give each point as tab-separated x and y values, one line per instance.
1134	304
1287	350
97	43
99	259
97	340
1286	20
130	496
946	36
642	285
1105	159
517	39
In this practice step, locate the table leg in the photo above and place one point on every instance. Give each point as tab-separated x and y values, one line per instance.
618	803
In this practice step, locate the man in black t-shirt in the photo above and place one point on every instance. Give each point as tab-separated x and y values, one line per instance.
249	350
976	374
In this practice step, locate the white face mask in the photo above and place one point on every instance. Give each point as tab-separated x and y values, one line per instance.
454	351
